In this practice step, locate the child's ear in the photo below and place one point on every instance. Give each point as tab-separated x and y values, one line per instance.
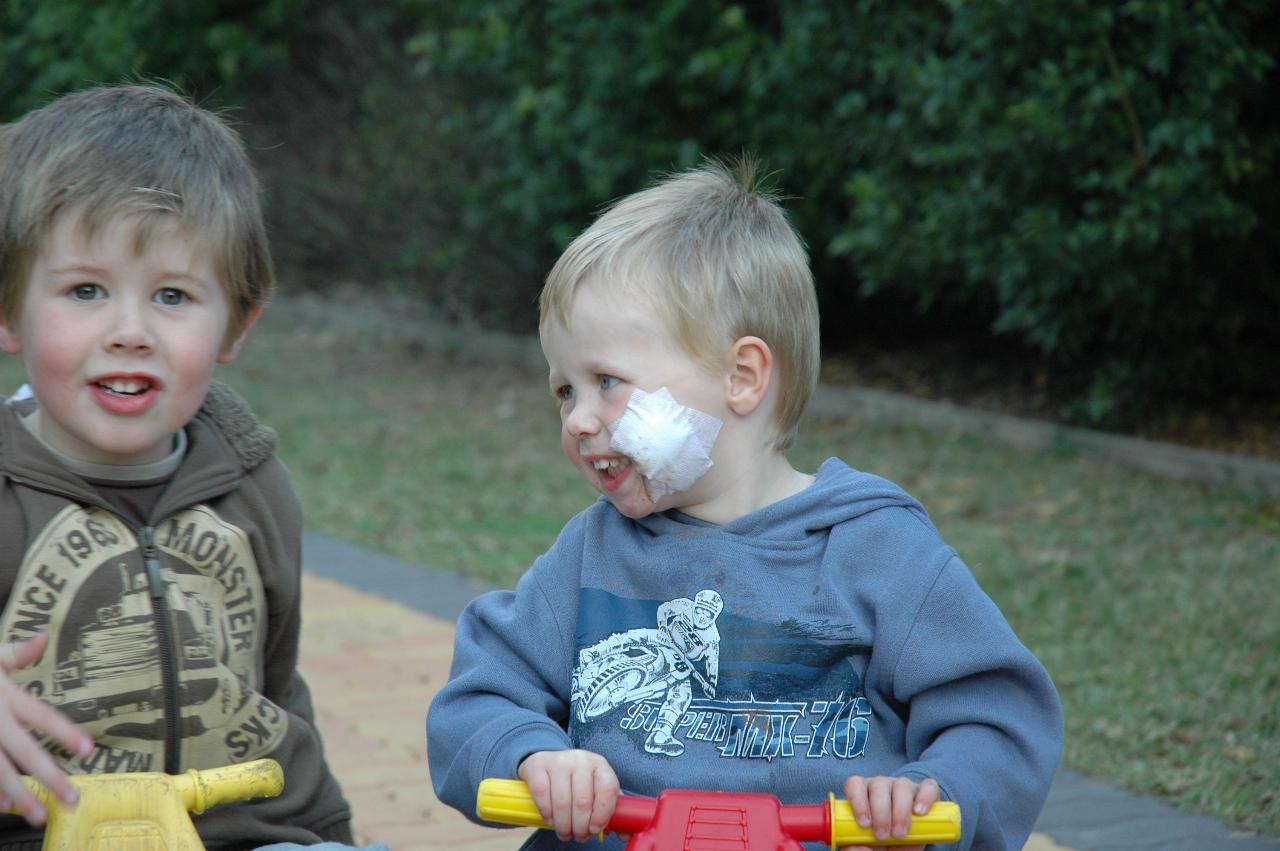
230	350
750	369
10	342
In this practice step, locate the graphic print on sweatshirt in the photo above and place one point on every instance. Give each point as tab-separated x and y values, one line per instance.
85	581
687	672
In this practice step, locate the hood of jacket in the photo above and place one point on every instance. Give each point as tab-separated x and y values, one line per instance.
839	493
225	434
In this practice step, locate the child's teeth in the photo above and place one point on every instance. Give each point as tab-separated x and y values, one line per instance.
124	387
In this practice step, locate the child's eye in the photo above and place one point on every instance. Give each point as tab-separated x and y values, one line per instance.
608	381
564	392
171	297
86	292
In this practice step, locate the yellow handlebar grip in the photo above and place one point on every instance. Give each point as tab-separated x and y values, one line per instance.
507	802
941	824
201	789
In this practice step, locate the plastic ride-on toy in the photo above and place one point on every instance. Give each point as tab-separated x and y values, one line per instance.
148	811
723	821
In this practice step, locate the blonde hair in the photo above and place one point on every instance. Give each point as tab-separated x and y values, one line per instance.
141	151
715	255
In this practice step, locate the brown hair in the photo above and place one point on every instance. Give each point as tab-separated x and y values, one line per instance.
133	150
715	255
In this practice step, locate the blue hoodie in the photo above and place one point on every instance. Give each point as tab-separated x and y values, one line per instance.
829	634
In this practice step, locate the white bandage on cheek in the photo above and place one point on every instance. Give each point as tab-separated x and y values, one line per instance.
668	443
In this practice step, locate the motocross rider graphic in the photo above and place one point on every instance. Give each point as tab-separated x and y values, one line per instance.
691	626
642	664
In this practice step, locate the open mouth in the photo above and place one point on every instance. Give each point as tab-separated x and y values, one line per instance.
124	388
611	468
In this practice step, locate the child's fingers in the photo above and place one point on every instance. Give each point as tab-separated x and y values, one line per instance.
20	654
855	789
35	714
25	755
903	797
538	779
880	795
20	714
582	797
605	799
926	796
575	791
885	805
561	798
19	798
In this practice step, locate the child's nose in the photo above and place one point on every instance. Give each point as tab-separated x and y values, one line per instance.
130	330
583	420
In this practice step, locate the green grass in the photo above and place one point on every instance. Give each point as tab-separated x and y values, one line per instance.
1155	604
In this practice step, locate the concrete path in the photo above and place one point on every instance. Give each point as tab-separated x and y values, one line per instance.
376	643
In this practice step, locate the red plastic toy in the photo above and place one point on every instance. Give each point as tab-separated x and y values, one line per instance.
723	821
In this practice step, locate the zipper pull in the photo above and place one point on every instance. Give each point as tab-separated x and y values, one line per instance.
151	559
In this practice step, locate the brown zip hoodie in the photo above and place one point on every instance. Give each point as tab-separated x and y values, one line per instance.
173	639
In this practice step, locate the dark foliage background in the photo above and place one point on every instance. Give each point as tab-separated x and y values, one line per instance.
1088	184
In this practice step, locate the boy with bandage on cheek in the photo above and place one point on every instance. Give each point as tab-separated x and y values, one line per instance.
719	619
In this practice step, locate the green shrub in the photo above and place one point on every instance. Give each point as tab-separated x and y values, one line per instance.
558	108
1091	172
1091	181
49	47
1085	179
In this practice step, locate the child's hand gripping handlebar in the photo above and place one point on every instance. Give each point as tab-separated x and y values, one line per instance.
149	809
691	820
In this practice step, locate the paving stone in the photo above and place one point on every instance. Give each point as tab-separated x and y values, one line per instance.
371	710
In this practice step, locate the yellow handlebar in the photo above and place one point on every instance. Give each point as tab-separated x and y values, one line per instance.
149	809
200	790
940	825
505	801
